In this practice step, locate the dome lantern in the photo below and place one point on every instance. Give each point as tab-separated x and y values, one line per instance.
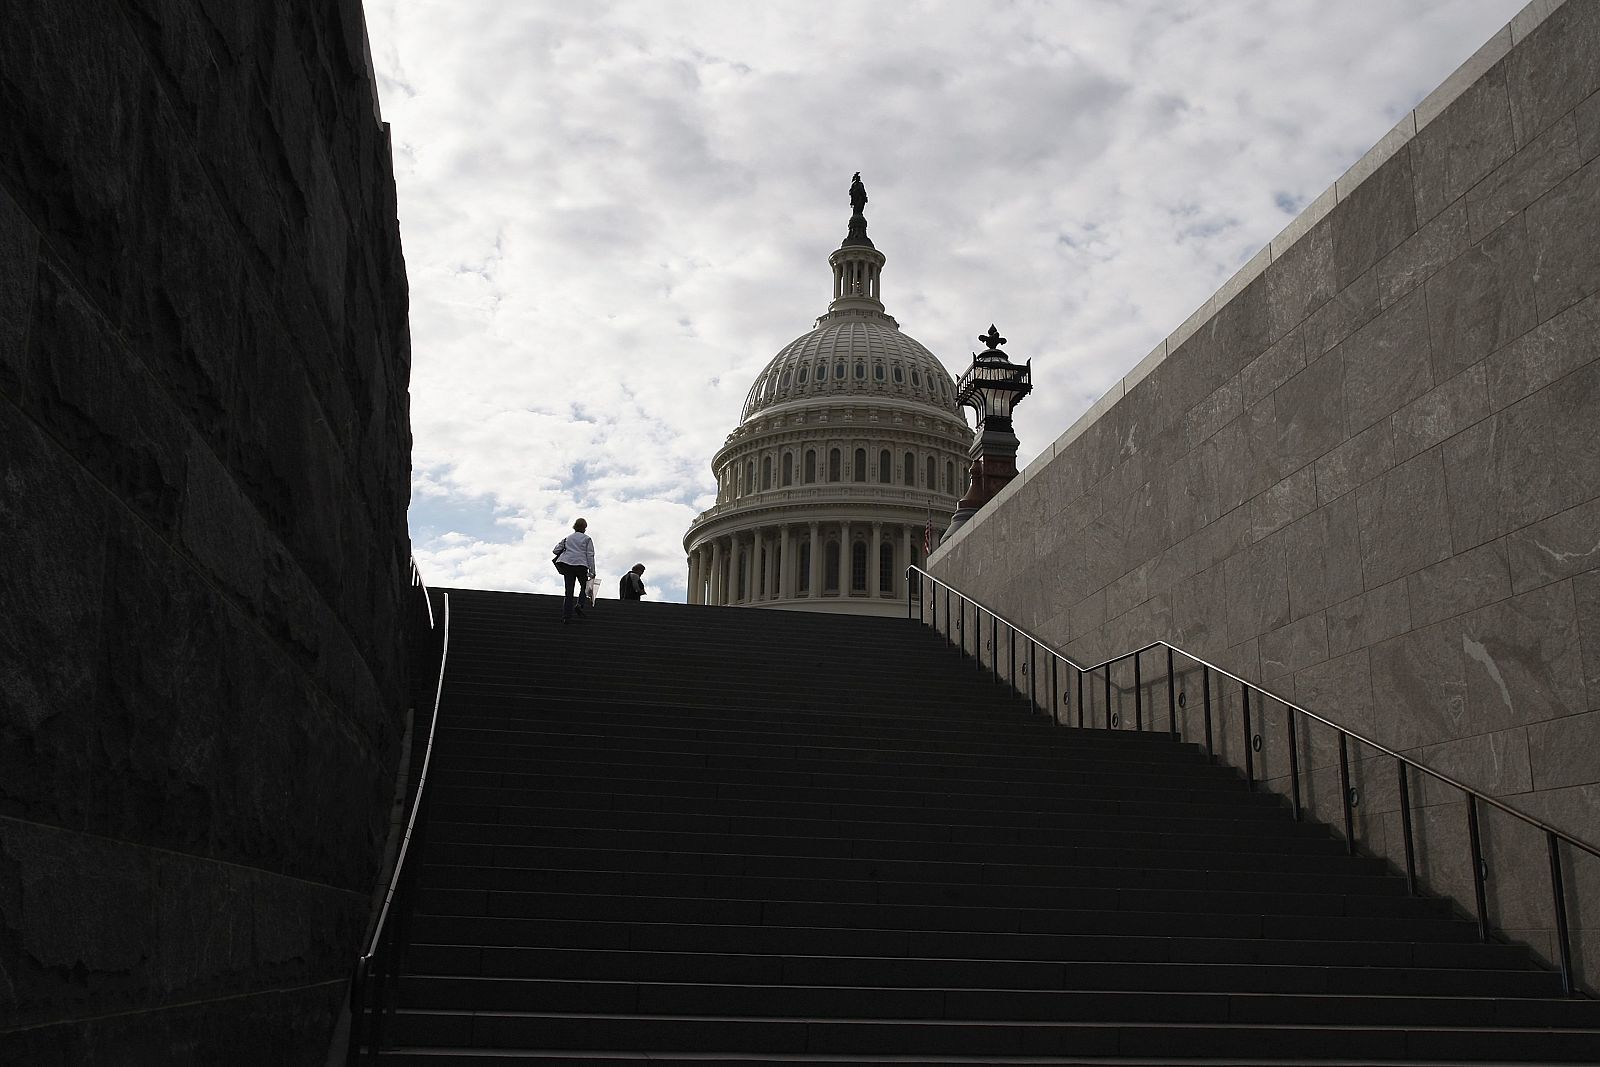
856	263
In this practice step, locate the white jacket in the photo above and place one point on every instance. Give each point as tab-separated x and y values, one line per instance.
577	549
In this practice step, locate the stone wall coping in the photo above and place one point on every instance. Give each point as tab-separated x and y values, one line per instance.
1521	25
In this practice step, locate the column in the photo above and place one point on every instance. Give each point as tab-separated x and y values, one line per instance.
757	543
769	567
844	559
816	563
785	566
716	572
694	577
873	562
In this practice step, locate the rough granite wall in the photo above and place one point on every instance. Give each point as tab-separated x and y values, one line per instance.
1368	477
204	461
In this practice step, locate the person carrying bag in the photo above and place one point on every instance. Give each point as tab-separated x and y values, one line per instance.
573	556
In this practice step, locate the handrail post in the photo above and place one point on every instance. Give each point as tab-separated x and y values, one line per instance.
1205	697
1055	691
1138	693
1033	674
948	633
1080	697
1344	793
1559	893
1108	695
994	645
1405	827
1294	760
1011	656
1475	840
1172	695
1249	741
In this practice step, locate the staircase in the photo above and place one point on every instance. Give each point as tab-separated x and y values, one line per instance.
710	835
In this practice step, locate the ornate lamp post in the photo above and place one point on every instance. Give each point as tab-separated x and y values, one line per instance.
992	387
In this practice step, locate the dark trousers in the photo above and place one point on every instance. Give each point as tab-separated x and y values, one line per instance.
574	573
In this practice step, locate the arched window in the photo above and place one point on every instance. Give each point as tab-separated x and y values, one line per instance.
830	568
811	465
858	470
858	567
861	372
743	566
749	475
885	467
766	472
834	461
788	468
783	383
949	476
933	474
886	567
802	580
877	372
909	469
899	375
822	372
916	377
838	369
804	373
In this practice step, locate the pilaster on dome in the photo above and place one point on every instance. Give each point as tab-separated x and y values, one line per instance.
856	263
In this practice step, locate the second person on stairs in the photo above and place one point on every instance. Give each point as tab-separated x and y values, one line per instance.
574	558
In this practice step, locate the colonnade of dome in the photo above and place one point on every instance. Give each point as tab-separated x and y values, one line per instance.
849	447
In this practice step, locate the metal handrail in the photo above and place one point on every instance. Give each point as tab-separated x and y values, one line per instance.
920	607
379	964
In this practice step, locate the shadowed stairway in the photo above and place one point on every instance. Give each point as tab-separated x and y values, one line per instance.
674	833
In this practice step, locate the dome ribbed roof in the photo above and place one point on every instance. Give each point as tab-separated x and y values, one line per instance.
861	355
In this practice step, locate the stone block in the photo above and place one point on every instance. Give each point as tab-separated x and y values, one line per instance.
1424	674
1495	763
1564	545
1404	521
1459	584
53	522
1375	616
1292	648
1561	751
1480	301
1258	590
1355	462
1463	144
1308	420
1324	558
1301	279
1587	121
1524	178
221	530
1375	218
1586	601
1553	68
1390	143
1440	240
1339	690
1272	368
1523	659
1199	612
1464	77
1548	352
103	406
1564	239
1350	309
19	253
84	919
1283	503
1447	409
1205	419
1503	474
1387	363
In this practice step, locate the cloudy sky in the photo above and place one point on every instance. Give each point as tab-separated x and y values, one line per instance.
614	213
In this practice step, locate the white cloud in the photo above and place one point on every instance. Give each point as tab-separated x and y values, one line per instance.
614	214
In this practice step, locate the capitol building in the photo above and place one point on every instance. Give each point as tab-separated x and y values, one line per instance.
850	443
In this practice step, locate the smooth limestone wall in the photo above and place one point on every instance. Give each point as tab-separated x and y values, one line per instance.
1367	475
204	461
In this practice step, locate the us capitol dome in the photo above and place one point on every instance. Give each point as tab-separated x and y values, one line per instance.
849	446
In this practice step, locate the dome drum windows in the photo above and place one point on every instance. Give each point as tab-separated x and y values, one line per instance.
834	462
885	467
909	469
766	472
858	567
811	465
858	469
788	468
